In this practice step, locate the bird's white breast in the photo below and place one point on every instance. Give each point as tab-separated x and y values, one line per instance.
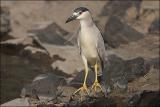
88	40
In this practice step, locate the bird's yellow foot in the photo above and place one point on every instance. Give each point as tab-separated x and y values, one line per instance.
96	86
82	91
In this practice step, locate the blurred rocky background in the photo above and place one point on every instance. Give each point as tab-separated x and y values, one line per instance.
40	64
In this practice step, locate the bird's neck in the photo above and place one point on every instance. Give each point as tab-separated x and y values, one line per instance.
87	22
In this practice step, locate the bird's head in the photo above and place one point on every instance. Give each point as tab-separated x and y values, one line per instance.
79	13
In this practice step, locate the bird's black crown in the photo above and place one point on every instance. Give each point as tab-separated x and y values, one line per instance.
82	9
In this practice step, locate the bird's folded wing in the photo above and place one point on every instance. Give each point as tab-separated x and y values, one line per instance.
79	47
101	49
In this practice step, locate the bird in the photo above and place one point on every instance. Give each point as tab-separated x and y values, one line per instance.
91	47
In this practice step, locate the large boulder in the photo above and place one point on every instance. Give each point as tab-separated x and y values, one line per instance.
143	99
118	72
71	61
129	21
21	43
44	88
119	8
16	102
155	27
27	47
118	32
5	25
16	72
154	62
51	33
147	48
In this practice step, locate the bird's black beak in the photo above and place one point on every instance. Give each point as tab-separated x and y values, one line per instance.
71	18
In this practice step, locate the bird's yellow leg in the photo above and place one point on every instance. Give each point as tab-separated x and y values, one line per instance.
83	89
96	84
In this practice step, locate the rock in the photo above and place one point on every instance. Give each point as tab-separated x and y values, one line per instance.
155	27
136	99
119	9
150	99
102	102
16	102
118	72
78	80
150	5
118	32
72	61
154	62
16	72
113	74
67	92
24	70
52	34
28	47
137	15
143	99
44	88
20	43
147	82
135	68
5	25
147	48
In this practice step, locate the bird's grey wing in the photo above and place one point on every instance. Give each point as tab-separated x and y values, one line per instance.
79	46
101	49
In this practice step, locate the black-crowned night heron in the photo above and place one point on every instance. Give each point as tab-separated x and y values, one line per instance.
91	46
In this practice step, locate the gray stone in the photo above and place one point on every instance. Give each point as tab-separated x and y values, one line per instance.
154	62
52	34
155	27
30	48
118	72
119	8
44	87
118	32
5	25
19	44
143	99
16	102
79	78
